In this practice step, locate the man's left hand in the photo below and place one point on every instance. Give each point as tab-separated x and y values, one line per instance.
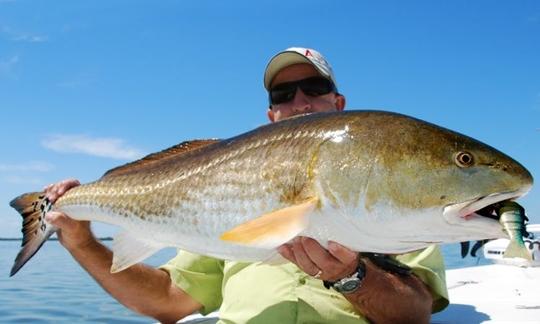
332	264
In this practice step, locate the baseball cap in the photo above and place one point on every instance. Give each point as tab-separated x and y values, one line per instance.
296	55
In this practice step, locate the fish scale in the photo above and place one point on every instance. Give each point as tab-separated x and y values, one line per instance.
373	181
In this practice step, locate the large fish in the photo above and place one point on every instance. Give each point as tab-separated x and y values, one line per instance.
373	181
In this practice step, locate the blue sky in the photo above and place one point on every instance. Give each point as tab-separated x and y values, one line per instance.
88	85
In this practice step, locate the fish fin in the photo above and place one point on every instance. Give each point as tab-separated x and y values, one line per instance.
128	250
517	250
32	207
161	157
273	229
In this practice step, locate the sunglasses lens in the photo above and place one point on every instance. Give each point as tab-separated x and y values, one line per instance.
313	87
282	93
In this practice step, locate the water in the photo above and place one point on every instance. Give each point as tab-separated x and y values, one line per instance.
52	288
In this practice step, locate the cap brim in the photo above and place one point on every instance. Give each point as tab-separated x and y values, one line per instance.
281	61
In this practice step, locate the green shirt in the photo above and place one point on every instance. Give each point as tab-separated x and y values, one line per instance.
262	293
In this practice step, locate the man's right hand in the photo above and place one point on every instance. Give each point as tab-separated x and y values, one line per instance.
72	234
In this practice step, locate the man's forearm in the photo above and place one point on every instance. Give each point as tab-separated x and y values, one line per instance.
390	298
144	289
141	288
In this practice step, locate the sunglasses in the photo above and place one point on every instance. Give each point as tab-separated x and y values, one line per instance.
313	87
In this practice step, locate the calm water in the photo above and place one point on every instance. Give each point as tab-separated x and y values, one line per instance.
52	288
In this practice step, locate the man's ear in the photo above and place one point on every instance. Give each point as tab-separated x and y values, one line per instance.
340	102
270	114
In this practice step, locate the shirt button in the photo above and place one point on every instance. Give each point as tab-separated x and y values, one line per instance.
302	281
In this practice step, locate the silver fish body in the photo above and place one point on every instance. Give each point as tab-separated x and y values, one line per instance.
373	181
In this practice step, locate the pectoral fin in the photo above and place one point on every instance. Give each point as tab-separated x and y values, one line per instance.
273	229
129	249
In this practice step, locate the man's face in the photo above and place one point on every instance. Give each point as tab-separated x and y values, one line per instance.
302	103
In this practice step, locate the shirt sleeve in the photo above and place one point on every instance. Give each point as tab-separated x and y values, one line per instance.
428	265
199	276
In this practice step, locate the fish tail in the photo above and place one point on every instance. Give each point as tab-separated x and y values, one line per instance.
32	207
517	249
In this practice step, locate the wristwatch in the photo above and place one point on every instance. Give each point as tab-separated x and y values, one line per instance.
350	284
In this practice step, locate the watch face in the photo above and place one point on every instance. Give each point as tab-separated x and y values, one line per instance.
350	285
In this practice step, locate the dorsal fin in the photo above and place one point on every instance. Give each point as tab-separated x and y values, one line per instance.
150	159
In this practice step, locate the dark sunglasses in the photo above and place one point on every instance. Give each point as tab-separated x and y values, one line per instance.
313	87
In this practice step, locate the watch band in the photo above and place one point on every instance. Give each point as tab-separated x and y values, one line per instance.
352	283
387	263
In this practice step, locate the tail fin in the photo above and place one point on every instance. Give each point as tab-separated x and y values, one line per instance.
517	250
32	207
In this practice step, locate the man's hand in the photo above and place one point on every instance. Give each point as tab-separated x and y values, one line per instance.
383	297
333	264
72	234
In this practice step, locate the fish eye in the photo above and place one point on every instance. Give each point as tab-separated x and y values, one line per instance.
464	159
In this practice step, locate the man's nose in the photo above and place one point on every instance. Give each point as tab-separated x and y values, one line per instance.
301	102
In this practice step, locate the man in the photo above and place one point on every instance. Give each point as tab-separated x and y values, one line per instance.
298	80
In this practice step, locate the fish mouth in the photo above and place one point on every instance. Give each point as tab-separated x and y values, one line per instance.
483	206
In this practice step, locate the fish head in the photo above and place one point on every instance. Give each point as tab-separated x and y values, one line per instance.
419	166
482	178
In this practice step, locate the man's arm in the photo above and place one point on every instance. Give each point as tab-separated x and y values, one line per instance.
382	298
144	289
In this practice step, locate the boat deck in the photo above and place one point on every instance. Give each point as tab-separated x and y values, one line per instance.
493	293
